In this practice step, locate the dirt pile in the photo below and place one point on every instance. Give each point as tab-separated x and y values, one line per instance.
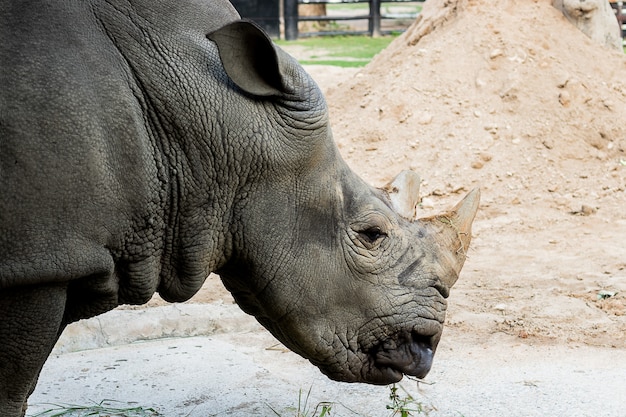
506	95
510	97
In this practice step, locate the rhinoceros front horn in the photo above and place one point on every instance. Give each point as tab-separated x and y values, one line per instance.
453	232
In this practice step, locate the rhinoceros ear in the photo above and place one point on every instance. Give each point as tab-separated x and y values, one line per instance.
404	194
249	58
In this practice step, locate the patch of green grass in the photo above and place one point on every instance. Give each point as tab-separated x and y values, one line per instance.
335	62
400	405
322	409
342	51
344	46
104	408
403	406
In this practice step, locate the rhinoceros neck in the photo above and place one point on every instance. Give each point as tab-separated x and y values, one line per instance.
196	223
163	49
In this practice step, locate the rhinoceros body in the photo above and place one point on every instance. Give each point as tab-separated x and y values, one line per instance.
145	144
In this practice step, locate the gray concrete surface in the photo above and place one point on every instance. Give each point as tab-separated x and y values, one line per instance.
216	360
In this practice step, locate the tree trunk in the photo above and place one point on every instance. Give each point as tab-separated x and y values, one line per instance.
311	9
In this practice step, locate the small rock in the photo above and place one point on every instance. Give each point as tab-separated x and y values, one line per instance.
477	164
564	98
500	307
587	210
496	53
584	210
491	128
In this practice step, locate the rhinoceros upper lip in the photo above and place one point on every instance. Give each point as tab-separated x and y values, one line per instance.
408	354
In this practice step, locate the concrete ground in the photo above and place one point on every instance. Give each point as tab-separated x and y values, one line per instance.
215	360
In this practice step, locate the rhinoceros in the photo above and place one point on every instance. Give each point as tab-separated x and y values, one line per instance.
147	143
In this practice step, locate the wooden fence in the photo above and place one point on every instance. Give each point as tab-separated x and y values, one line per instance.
374	17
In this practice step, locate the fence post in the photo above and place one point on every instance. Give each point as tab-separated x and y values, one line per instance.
291	20
374	23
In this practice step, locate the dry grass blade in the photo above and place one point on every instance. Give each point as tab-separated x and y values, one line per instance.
104	408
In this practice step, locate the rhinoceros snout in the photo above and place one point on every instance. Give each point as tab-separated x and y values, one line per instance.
409	355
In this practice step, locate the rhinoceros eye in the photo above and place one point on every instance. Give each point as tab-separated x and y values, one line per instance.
371	235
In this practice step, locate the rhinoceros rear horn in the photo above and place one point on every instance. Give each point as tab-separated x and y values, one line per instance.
403	193
453	232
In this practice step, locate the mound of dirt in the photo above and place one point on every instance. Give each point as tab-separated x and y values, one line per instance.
506	95
510	97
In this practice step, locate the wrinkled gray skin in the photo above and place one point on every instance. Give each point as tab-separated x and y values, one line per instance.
137	158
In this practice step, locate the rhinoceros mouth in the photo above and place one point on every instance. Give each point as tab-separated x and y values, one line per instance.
385	362
409	354
389	360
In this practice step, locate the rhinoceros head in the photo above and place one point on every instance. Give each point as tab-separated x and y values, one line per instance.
342	273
